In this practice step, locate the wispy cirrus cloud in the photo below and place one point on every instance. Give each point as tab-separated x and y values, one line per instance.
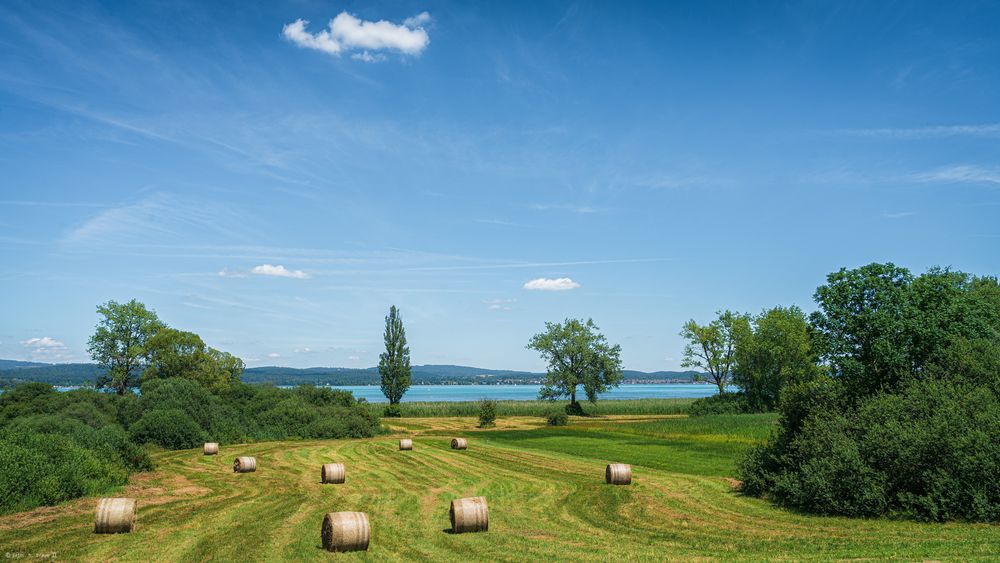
582	209
960	174
897	214
932	132
365	40
547	284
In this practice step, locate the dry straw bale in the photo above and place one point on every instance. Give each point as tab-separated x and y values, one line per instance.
406	444
469	515
211	448
459	444
332	473
245	464
346	531
618	474
114	516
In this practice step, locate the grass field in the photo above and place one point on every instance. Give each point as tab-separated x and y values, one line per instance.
537	408
546	494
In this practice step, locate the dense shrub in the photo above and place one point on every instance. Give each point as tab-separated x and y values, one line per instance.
557	418
170	428
728	403
931	452
487	413
44	469
574	408
392	411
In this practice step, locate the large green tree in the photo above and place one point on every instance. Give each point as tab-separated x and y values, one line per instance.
712	347
776	352
577	354
394	363
176	353
120	342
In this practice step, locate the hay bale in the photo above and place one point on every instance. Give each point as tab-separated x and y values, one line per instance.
469	515
346	531
459	444
114	516
332	473
406	444
618	474
245	464
211	448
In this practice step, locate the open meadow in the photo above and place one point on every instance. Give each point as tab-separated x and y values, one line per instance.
545	488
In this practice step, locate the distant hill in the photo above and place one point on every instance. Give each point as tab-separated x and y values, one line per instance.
13	372
11	364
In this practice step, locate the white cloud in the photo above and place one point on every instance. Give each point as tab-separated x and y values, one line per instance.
274	355
961	174
47	349
897	215
43	342
546	284
305	350
499	304
278	271
353	358
225	273
347	33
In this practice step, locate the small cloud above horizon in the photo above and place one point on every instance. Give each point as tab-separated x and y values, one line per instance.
499	304
547	284
47	349
278	271
363	39
898	215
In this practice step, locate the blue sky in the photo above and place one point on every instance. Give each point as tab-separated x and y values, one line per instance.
274	185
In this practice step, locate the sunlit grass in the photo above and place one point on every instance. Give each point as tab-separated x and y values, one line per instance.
545	488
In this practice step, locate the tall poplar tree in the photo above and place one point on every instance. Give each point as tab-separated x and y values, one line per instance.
394	363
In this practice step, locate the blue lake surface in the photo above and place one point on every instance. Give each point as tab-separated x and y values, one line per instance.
373	393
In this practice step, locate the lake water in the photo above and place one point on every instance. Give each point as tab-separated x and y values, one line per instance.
373	393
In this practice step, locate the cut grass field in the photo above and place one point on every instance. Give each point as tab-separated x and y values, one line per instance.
545	488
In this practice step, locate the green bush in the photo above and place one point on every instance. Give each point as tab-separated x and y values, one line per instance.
728	403
44	469
930	452
170	428
575	409
103	433
392	411
557	418
487	413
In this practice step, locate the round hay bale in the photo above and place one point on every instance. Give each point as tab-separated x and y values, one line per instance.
469	515
406	444
346	531
211	448
618	474
245	464
332	473
459	444
114	516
